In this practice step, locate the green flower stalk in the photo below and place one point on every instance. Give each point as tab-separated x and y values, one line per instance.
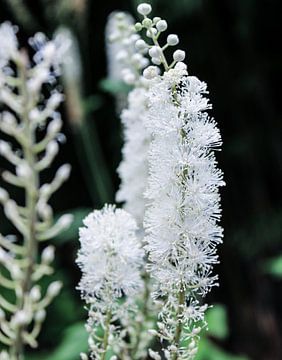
25	117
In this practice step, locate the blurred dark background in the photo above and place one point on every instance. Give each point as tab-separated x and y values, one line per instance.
235	46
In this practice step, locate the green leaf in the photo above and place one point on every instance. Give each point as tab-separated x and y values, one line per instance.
114	86
274	267
217	321
210	351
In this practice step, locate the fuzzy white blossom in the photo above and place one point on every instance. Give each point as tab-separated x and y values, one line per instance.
181	220
133	170
110	258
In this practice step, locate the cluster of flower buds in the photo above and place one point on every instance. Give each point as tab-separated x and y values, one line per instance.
154	28
125	63
183	200
31	151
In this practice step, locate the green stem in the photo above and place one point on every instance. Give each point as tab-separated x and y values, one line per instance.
178	330
106	334
145	314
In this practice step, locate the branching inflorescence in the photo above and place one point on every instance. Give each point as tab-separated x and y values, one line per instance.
181	219
25	116
110	259
170	184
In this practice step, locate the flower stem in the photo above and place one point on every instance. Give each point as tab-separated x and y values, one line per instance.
178	330
106	334
31	195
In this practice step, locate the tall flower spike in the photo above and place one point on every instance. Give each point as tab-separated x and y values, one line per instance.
181	221
124	61
21	81
110	259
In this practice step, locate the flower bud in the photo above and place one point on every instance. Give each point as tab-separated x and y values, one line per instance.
21	318
63	172
4	147
172	40
150	72
54	126
40	316
138	26
35	293
4	196
48	254
54	289
179	55
2	315
161	25
155	51
147	23
144	9
140	45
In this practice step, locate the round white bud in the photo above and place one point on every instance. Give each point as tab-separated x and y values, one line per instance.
35	293
155	51
54	126
63	172
23	170
4	147
150	72
54	288
4	196
140	44
144	9
40	316
138	26
181	66
49	50
161	25
156	19
172	40
83	356
156	61
48	254
147	23
179	55
65	220
52	148
21	318
2	315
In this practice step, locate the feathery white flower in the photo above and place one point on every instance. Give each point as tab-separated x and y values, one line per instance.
133	170
110	259
181	221
110	255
